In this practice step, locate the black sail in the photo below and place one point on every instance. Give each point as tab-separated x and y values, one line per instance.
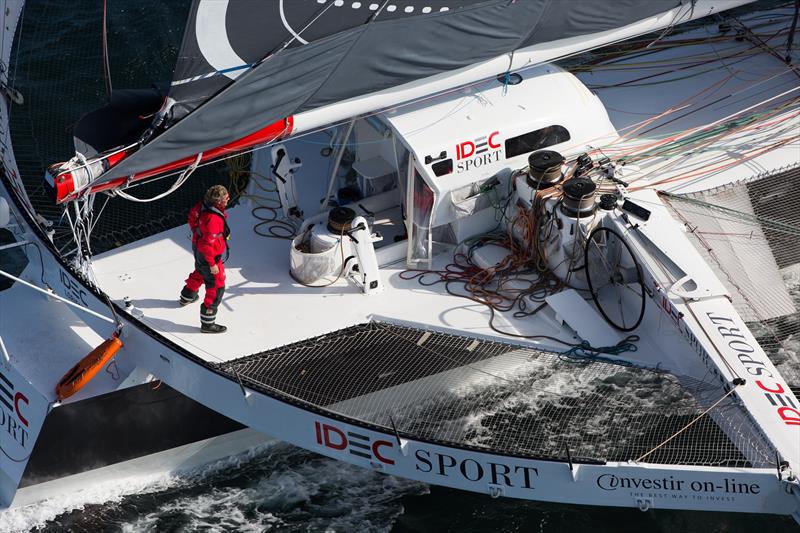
225	38
276	58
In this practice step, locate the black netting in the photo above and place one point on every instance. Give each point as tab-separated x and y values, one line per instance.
500	397
59	72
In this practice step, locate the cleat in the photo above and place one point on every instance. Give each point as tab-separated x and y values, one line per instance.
213	328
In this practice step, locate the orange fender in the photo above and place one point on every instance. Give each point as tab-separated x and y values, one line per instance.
83	372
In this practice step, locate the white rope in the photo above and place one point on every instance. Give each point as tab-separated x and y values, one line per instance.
178	182
690	424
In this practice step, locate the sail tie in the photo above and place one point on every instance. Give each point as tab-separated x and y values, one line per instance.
178	182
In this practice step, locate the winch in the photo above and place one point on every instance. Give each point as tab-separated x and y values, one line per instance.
544	171
335	245
579	194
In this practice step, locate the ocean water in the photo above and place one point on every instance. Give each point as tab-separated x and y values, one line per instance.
277	487
283	488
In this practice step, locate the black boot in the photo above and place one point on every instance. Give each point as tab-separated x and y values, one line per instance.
188	297
213	328
208	317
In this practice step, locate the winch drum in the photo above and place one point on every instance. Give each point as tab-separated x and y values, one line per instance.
321	260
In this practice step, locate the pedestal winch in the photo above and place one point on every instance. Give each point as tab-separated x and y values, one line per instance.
336	246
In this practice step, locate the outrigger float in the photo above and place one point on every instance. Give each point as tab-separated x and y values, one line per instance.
542	281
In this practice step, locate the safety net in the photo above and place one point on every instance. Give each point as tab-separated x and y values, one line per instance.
749	233
503	398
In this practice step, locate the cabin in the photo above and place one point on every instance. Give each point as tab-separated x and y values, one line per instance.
433	172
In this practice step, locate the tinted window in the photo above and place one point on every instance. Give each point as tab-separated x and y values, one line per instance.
441	168
536	140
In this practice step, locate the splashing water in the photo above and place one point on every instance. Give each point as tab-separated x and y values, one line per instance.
275	488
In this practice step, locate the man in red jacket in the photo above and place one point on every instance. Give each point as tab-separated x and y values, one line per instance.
207	220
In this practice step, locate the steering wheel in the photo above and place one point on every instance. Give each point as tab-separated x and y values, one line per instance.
614	278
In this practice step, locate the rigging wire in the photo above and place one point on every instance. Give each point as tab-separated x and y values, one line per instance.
790	38
106	65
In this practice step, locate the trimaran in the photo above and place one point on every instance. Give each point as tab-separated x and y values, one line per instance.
493	261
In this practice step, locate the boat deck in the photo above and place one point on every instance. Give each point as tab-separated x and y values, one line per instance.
265	308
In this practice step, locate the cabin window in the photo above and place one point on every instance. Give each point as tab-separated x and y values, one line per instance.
421	200
536	140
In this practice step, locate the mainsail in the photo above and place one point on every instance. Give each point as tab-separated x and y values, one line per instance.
226	38
246	67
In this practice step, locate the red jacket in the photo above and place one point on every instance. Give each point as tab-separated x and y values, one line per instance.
209	231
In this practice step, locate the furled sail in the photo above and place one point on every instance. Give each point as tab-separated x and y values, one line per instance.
247	67
225	38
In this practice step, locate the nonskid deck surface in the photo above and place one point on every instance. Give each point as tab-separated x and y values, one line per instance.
500	397
265	308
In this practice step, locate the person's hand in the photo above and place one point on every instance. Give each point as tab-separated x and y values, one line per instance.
214	269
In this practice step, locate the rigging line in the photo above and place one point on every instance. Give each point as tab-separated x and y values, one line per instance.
4	351
758	41
295	36
703	142
288	26
687	426
790	38
722	167
188	171
106	65
377	11
688	66
292	39
3	43
56	296
97	218
727	118
675	20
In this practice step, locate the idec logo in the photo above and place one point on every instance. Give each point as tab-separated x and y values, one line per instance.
12	401
786	407
477	146
355	443
481	152
753	360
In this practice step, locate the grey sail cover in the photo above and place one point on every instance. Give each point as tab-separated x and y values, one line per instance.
225	38
261	61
